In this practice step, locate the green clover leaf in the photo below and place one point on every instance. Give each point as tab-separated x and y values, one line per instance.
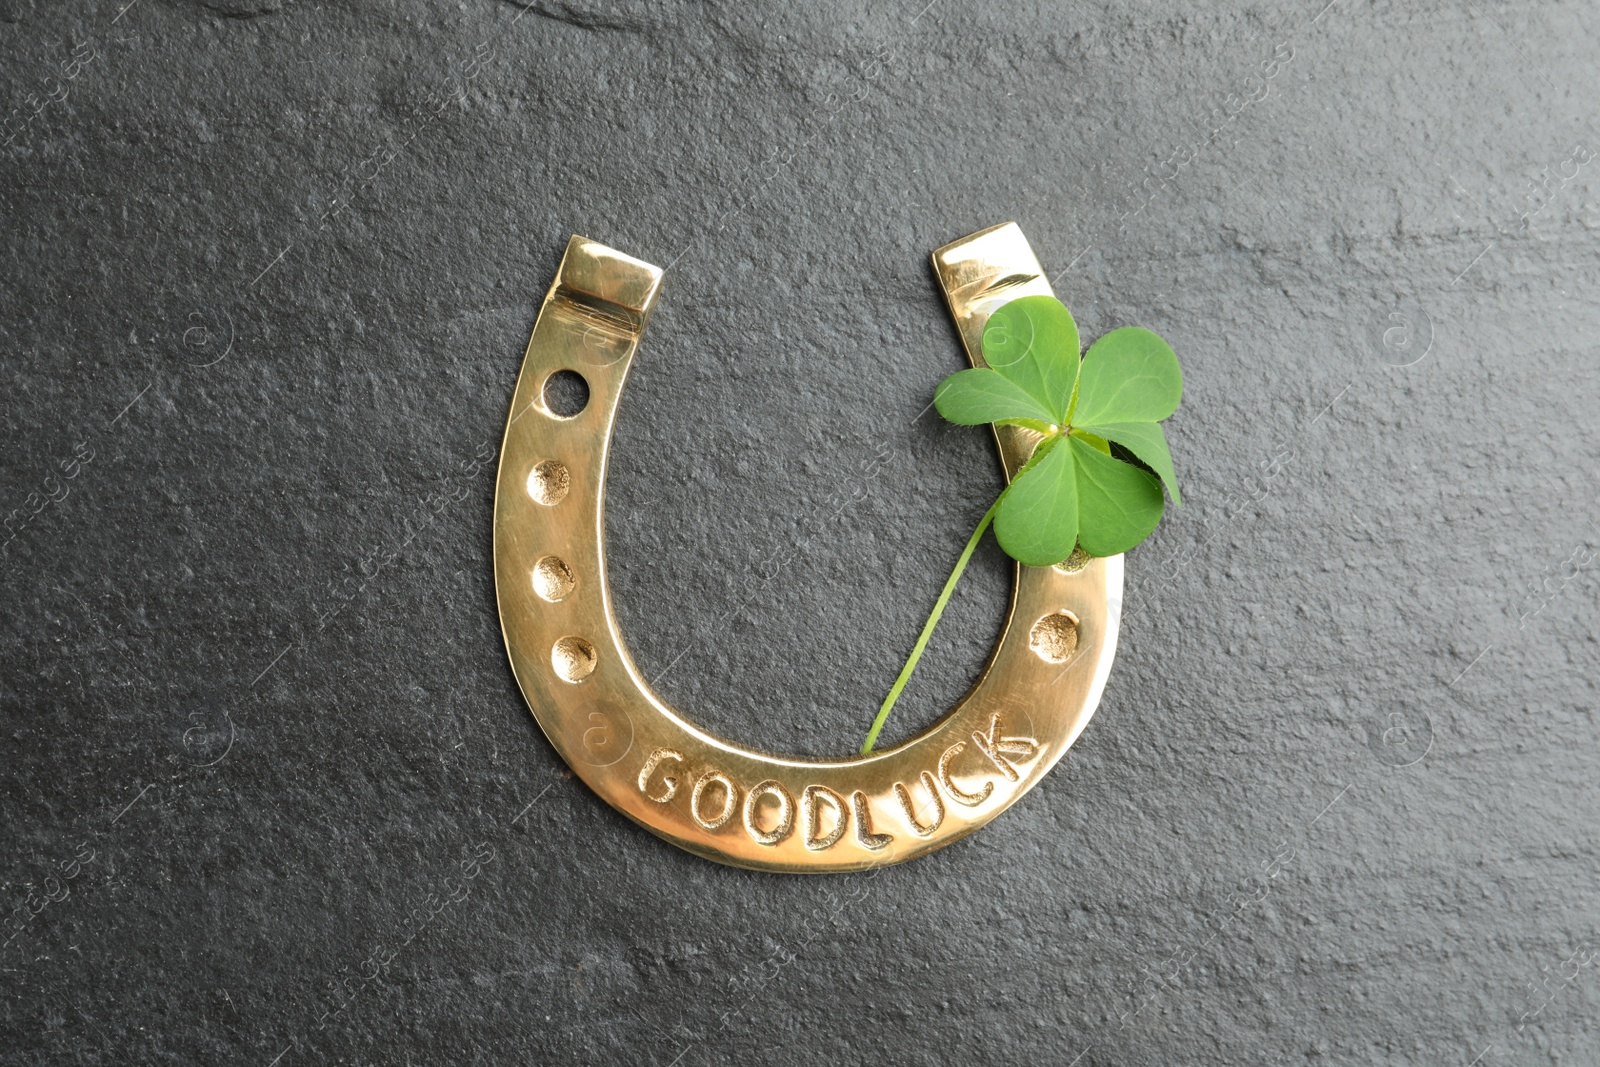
974	397
1119	504
1076	495
1033	343
1129	375
1074	491
1038	523
1146	441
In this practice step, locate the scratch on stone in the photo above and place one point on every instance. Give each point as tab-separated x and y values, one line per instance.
132	802
271	665
531	803
1332	402
274	263
1069	266
1331	803
1474	263
1471	665
132	402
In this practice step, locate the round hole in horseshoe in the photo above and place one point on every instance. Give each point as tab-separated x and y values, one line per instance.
565	393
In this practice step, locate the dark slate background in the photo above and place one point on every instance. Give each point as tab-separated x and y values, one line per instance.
268	271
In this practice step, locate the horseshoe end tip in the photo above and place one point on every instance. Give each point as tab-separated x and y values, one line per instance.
980	266
981	244
591	271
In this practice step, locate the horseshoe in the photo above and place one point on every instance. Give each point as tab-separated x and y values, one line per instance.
716	798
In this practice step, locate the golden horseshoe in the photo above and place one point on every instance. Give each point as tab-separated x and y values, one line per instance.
722	800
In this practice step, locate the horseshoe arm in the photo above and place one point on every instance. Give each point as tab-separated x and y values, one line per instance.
716	798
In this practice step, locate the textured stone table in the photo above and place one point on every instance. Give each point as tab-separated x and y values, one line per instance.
270	794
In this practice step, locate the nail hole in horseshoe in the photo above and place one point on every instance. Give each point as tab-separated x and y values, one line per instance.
574	659
552	578
566	393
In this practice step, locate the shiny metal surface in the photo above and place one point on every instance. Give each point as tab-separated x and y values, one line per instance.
716	798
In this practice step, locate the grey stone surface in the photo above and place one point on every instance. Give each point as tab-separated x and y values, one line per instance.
268	271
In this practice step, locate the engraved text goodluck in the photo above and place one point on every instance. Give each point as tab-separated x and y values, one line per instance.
770	813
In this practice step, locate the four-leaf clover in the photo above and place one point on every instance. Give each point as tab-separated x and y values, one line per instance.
1074	490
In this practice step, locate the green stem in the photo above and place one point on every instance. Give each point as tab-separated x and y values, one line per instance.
927	631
